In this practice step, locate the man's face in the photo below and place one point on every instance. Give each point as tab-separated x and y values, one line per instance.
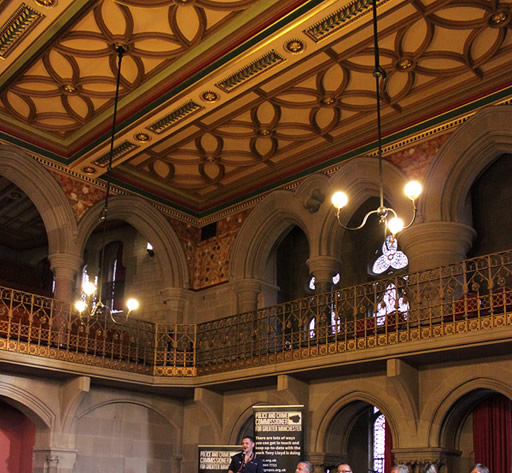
247	445
344	469
301	468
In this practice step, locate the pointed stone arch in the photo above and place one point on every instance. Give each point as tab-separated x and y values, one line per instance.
30	404
150	223
459	162
359	178
346	409
264	227
449	414
45	193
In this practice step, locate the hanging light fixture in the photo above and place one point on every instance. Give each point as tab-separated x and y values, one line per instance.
413	189
92	300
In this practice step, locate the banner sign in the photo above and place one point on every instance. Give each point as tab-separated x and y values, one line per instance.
216	458
279	437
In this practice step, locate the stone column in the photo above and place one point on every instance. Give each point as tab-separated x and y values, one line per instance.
323	268
417	458
247	291
432	244
176	299
54	460
64	267
320	460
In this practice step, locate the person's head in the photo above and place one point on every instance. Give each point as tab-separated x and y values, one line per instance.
399	469
344	468
304	467
248	444
479	468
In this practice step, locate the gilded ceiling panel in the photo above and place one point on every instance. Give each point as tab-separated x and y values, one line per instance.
330	97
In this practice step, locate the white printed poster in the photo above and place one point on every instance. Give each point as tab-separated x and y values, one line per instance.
216	458
279	437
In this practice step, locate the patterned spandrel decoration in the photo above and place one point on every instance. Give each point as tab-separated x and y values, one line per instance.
379	428
391	257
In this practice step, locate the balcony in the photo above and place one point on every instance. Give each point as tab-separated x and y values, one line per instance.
437	310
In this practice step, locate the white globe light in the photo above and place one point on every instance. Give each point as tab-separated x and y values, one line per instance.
413	190
132	304
89	288
80	306
395	225
339	199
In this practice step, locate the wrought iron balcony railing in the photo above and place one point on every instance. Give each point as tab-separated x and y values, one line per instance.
472	295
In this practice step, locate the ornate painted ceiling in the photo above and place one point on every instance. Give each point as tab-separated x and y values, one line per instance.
224	99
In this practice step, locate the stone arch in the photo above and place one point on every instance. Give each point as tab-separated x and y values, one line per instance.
150	223
466	153
266	224
345	410
27	402
359	178
239	417
136	402
450	413
46	195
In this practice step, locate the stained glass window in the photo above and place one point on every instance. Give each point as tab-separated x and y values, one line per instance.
391	257
379	442
335	280
312	327
391	302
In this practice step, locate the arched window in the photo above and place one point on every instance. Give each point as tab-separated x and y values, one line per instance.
312	327
391	258
379	441
113	276
391	302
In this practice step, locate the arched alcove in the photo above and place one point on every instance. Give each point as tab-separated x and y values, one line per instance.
153	226
359	178
357	432
127	436
459	162
46	195
17	439
266	225
458	427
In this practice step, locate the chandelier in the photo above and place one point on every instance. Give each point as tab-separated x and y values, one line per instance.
92	300
387	216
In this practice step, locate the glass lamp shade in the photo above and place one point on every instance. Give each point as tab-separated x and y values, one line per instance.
339	199
395	225
413	190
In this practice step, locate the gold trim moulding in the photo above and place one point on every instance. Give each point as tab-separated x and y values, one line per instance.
17	27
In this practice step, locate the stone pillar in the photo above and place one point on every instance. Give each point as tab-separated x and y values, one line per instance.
54	460
433	244
64	267
417	458
320	460
247	291
323	268
176	299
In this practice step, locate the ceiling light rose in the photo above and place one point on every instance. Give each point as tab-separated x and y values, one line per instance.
387	216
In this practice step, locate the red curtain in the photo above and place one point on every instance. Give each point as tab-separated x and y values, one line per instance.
388	446
491	434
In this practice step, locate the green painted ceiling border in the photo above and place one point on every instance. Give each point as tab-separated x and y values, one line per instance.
288	18
361	150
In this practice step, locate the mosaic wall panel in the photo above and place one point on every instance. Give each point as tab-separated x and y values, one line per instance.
81	195
208	261
414	161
